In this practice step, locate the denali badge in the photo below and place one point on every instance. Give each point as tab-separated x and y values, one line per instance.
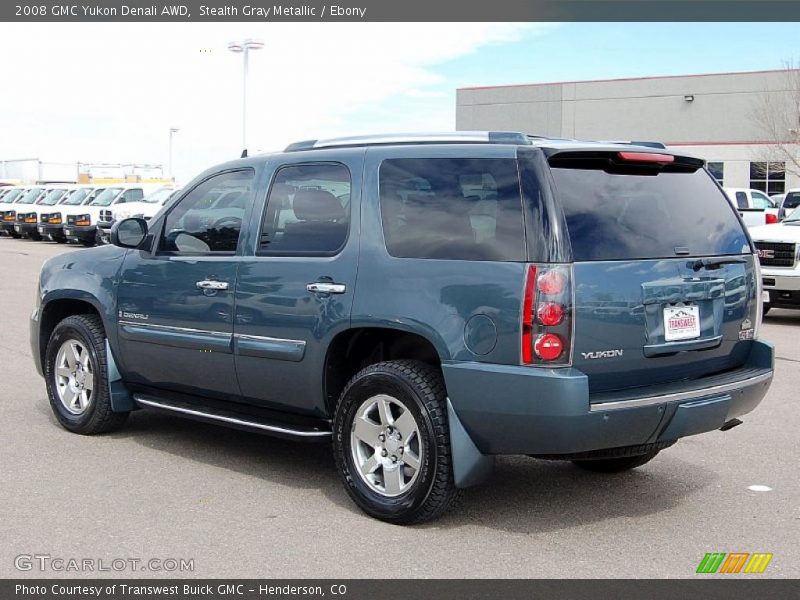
601	354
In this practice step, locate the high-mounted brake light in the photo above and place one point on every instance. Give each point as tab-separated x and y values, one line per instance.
650	157
770	218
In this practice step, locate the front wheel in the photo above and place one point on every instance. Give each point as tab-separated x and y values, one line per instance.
765	309
392	444
616	465
76	373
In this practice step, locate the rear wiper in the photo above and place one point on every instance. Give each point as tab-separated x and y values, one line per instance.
714	263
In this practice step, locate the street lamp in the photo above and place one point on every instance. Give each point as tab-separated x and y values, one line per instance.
244	47
172	131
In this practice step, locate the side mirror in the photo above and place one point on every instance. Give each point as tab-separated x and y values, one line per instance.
129	233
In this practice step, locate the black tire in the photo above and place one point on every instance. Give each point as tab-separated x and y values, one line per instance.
88	243
765	309
616	465
420	388
98	416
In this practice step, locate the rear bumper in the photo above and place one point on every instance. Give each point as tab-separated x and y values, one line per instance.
549	411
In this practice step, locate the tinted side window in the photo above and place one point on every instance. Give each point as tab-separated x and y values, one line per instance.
308	210
198	224
627	216
741	200
455	209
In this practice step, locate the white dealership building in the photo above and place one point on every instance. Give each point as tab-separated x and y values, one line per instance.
716	116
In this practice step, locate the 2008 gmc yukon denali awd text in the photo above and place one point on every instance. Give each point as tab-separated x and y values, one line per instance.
424	303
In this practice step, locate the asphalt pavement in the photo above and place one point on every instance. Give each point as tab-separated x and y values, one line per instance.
243	505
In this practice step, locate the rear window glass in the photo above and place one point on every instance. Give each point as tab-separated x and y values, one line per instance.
454	209
625	216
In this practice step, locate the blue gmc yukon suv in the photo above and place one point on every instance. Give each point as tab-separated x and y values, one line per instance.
424	303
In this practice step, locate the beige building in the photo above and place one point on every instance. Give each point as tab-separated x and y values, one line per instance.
713	116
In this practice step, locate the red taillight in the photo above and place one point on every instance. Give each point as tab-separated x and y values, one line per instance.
527	315
650	157
771	219
551	283
546	323
548	346
550	314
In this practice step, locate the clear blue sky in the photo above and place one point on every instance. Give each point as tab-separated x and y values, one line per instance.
574	51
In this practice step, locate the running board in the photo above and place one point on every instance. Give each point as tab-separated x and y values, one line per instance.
231	419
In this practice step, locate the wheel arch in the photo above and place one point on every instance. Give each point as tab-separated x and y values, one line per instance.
357	347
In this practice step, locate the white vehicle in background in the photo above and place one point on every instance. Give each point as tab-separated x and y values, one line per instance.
14	218
147	208
27	222
754	206
789	202
82	223
51	217
7	213
779	254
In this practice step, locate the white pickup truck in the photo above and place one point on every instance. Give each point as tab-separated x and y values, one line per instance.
754	206
779	254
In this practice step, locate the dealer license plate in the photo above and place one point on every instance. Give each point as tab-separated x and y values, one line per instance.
681	323
765	296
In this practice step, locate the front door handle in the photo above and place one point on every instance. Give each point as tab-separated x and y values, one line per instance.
322	287
212	284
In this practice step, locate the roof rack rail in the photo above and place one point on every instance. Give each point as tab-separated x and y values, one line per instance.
450	137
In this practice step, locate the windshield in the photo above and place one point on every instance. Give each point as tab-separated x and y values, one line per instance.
158	196
30	196
11	196
77	197
52	197
792	200
106	197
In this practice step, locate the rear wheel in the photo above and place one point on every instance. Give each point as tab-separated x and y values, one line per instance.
76	373
616	465
391	442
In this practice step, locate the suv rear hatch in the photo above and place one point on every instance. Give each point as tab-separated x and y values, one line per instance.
664	276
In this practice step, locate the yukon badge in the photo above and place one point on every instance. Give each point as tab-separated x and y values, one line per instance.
601	354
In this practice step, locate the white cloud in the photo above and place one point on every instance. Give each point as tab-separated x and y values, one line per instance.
110	92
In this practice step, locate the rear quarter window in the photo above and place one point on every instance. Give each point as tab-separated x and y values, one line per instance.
452	209
614	216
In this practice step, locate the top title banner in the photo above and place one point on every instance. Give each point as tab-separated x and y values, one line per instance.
403	10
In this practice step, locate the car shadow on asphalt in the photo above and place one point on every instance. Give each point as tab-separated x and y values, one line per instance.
778	316
522	496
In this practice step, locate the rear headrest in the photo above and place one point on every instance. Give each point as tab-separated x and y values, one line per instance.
317	205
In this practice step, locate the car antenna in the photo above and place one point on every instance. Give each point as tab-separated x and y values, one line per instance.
244	153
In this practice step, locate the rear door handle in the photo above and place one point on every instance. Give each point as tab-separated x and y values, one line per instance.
321	287
212	284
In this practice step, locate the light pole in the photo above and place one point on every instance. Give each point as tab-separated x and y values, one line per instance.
244	47
172	131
